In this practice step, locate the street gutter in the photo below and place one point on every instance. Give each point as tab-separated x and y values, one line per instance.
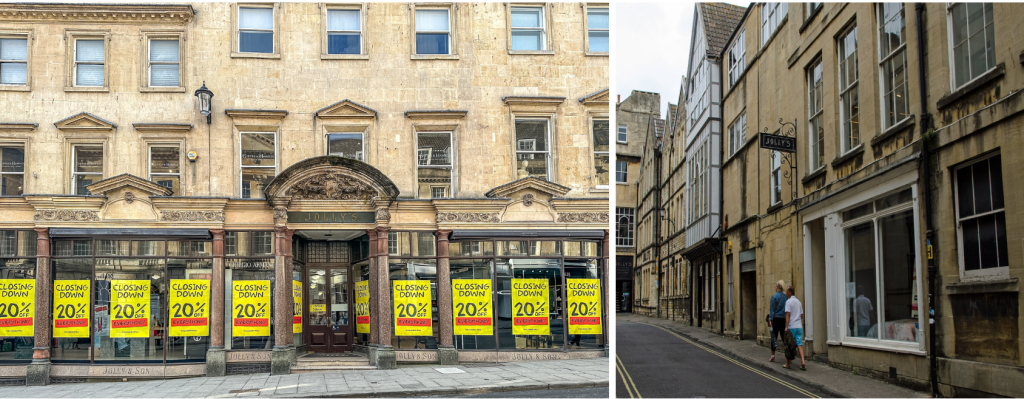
450	391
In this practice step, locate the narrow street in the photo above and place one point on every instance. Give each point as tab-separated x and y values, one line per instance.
653	362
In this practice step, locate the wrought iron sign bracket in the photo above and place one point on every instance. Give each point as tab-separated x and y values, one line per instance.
788	130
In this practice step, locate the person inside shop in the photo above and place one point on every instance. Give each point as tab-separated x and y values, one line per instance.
863	310
777	317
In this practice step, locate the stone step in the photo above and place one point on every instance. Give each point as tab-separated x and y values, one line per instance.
313	369
339	363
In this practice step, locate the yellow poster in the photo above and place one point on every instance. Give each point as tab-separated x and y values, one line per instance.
363	307
584	296
471	307
413	312
297	306
17	307
70	308
250	308
530	306
129	316
189	308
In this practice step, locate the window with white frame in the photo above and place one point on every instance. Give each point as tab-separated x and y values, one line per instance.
624	227
87	167
776	176
623	134
597	29
14	61
258	162
849	102
772	15
532	148
809	9
89	62
815	131
165	167
433	31
12	169
893	65
434	164
344	31
881	269
981	219
528	28
348	145
737	57
621	171
255	30
972	38
164	63
738	133
601	152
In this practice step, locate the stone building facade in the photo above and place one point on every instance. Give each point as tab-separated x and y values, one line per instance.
894	193
345	147
634	117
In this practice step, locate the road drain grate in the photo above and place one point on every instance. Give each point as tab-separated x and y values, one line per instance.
244	390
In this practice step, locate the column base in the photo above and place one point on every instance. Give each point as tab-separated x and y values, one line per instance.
371	354
447	355
280	363
606	350
216	362
386	359
293	355
38	373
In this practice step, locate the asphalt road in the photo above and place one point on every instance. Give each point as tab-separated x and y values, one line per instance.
661	364
601	392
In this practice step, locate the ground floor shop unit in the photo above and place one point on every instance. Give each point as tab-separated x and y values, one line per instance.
177	286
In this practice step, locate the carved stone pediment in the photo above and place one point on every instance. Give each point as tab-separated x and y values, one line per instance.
128	197
331	185
546	188
85	123
346	109
330	178
596	98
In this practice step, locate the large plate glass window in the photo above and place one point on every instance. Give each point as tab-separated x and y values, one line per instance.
18	262
815	132
601	152
13	61
532	148
258	162
434	164
893	64
165	167
597	29
981	219
164	56
87	167
89	58
972	35
249	256
344	32
255	30
433	31
412	256
849	102
12	170
528	28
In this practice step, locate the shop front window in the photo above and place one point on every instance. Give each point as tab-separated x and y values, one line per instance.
17	262
413	260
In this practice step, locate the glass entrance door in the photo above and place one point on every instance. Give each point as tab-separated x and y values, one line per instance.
330	307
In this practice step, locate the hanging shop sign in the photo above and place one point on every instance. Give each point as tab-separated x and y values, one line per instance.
332	217
584	297
413	312
297	307
530	307
776	142
17	307
250	308
70	308
129	314
471	307
189	308
363	307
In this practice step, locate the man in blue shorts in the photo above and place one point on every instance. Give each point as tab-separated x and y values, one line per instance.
794	324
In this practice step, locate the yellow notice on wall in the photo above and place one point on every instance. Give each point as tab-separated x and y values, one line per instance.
584	309
70	308
189	308
129	316
471	307
17	307
363	307
297	307
250	308
413	313
530	307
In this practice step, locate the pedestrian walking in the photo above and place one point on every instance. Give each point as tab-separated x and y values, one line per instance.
777	316
794	325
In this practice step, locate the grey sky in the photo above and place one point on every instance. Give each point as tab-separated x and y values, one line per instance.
653	39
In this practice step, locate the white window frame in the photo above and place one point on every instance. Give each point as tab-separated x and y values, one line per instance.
22	146
623	132
534	152
362	144
28	54
737	57
846	137
809	9
450	32
624	172
327	31
776	177
586	21
239	30
815	109
890	58
543	28
992	273
606	153
74	174
241	168
772	15
149	164
952	59
150	62
738	133
450	165
76	62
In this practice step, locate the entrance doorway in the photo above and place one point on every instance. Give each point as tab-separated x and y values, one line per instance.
330	292
748	281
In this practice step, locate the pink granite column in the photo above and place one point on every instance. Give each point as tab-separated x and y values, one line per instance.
371	286
444	289
288	261
282	289
383	298
217	291
44	284
609	290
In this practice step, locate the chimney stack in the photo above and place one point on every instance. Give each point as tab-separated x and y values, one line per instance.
619	100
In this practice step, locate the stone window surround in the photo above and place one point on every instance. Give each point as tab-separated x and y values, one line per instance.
999	273
20	34
17	139
362	7
237	132
591	117
453	30
167	140
586	30
450	126
70	36
72	141
277	31
552	119
361	128
146	36
256	121
548	43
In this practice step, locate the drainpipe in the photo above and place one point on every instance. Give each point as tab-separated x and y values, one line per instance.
929	233
657	215
721	213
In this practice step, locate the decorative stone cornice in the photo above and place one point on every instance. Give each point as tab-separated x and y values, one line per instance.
163	127
599	97
191	216
18	127
85	122
532	100
437	114
98	13
128	180
505	190
256	113
582	217
346	109
468	217
66	215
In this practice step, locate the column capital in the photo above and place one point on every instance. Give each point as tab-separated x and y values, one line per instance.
442	235
218	234
383	229
42	232
372	233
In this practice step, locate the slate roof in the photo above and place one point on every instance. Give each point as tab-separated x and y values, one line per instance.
720	20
